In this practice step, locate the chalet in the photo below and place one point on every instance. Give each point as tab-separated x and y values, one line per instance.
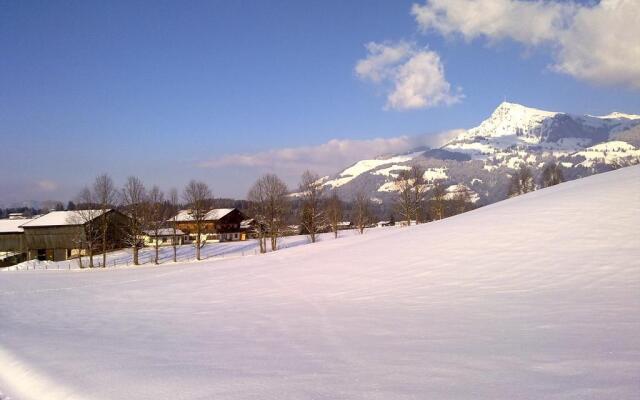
60	235
165	237
12	247
220	224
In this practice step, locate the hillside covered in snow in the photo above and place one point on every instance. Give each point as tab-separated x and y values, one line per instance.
536	297
483	158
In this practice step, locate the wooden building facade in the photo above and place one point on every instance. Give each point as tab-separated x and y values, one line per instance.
219	225
61	235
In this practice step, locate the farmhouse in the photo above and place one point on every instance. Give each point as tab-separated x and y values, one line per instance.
60	235
220	224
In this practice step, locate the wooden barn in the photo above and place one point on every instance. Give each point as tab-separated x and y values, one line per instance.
60	235
12	246
220	224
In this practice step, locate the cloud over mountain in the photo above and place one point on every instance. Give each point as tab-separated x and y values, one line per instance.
414	77
327	157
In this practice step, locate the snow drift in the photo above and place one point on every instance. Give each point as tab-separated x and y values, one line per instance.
530	298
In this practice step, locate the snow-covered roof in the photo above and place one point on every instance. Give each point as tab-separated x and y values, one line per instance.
212	215
246	223
63	218
12	225
164	232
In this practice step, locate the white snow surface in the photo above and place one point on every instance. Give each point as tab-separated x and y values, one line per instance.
363	166
12	225
609	152
212	215
63	218
536	297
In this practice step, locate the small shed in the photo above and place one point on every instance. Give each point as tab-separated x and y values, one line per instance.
165	237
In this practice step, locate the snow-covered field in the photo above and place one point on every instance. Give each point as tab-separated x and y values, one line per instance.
537	297
185	253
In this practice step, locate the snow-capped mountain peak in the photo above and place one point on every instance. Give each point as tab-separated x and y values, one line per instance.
482	158
511	119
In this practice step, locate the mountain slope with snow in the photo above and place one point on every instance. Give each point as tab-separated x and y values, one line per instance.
535	297
484	157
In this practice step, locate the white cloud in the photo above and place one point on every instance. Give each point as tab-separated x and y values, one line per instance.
416	76
597	43
327	158
47	185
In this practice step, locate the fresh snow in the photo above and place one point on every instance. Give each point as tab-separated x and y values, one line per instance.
363	166
608	152
211	215
12	225
184	253
535	297
63	218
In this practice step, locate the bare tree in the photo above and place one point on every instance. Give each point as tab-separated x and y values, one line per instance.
311	193
334	212
269	206
257	198
361	210
551	175
198	197
412	188
157	212
134	197
404	201
106	196
462	199
418	190
174	203
85	216
437	201
521	182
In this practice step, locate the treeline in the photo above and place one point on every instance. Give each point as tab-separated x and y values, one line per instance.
522	181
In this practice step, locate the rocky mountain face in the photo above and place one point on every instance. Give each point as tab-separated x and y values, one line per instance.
483	158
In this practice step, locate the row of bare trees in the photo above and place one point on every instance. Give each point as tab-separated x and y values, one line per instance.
318	211
148	210
419	201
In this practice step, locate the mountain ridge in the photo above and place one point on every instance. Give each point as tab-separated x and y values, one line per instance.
482	158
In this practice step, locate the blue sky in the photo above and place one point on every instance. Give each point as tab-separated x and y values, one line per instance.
159	89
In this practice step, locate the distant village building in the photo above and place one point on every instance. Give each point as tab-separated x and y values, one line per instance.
343	225
382	224
219	225
165	237
60	235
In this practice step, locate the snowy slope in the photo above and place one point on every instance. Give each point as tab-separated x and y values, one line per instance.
363	166
536	297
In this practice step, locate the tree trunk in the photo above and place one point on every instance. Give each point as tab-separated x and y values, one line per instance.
198	245
90	255
104	242
135	254
175	250
157	248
